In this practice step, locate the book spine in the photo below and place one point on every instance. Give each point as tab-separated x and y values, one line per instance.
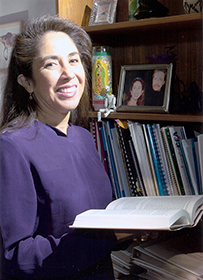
140	185
176	137
164	167
118	160
106	159
186	145
100	145
140	149
155	190
196	163
123	135
173	160
155	157
113	172
187	167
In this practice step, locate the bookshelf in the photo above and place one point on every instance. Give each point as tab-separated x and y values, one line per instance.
137	39
132	41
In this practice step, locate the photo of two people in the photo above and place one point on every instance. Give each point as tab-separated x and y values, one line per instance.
145	86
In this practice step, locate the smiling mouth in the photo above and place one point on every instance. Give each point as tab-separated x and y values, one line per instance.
67	92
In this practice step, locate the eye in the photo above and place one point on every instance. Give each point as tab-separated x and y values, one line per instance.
51	64
74	61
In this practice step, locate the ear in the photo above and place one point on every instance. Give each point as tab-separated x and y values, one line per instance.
26	83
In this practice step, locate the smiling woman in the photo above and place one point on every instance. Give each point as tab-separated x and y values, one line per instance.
50	170
26	54
58	79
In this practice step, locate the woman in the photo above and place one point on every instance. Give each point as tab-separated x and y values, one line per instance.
50	170
136	94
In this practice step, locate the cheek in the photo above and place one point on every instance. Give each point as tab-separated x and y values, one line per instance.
82	76
80	73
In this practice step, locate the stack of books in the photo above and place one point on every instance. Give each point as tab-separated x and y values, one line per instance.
168	258
149	160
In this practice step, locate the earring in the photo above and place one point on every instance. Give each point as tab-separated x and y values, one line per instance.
31	96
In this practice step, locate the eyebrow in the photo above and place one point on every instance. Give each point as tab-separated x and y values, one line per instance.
57	57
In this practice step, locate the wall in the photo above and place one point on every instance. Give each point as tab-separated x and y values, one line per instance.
16	10
31	8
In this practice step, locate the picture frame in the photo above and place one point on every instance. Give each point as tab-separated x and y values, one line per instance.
103	12
7	35
145	88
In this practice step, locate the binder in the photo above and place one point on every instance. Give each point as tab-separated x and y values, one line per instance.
177	133
173	161
169	184
140	149
131	171
188	149
155	191
157	160
122	180
113	172
138	172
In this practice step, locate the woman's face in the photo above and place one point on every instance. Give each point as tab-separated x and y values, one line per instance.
58	74
136	91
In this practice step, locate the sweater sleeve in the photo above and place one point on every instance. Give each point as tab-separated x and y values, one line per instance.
26	253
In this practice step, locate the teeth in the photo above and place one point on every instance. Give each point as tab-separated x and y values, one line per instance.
67	90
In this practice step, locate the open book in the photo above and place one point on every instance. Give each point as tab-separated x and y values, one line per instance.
144	213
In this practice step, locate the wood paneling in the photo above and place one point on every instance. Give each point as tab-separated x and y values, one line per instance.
73	9
132	42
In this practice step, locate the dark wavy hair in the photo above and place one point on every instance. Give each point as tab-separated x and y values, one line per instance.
141	98
17	109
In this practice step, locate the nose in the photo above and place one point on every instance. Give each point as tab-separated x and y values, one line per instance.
67	72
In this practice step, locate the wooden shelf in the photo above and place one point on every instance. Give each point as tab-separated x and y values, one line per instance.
184	31
152	117
179	22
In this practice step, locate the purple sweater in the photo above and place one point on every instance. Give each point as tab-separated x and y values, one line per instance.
46	179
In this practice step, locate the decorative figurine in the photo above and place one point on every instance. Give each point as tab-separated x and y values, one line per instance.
109	106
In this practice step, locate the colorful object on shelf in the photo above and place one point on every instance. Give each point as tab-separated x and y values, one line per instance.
101	76
192	6
150	8
132	7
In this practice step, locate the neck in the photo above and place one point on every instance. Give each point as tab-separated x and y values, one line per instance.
60	122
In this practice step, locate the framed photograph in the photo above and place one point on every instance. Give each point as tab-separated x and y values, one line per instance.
145	88
7	36
103	12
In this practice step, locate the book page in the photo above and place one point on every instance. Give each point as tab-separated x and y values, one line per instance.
133	219
193	204
155	203
140	213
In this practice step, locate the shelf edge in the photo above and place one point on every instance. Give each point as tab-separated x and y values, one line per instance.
125	25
